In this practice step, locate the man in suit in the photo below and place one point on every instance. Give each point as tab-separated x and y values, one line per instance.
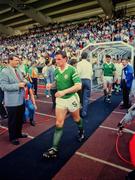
126	82
12	83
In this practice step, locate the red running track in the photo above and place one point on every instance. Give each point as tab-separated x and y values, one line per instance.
95	160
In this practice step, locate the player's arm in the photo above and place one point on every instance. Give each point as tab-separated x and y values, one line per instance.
72	89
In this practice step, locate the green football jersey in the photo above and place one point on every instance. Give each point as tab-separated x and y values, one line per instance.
108	69
66	79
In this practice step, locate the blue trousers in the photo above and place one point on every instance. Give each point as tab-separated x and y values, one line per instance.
29	111
85	95
47	92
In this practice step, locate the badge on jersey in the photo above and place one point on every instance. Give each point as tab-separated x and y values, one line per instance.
66	76
56	77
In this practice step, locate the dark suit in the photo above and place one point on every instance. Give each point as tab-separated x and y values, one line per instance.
15	121
126	83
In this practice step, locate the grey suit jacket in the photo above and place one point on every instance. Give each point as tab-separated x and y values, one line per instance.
13	95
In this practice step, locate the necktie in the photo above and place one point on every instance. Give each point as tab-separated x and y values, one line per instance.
123	74
17	75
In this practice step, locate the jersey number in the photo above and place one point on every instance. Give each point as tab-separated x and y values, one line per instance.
74	104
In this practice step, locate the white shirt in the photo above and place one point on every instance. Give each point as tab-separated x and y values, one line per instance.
123	75
84	69
119	68
44	71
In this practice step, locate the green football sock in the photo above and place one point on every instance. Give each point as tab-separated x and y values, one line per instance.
118	87
57	136
80	123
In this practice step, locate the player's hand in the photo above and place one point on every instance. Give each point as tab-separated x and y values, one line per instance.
22	84
59	94
35	106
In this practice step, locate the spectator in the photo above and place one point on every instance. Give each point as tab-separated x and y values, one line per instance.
44	73
126	82
73	62
30	104
33	72
12	83
51	79
85	72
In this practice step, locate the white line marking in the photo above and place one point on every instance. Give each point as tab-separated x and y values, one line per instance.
109	128
116	129
48	102
92	99
118	112
4	127
103	162
31	137
128	131
45	114
41	88
41	93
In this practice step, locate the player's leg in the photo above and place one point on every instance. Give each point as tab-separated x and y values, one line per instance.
79	122
109	92
61	112
105	88
74	108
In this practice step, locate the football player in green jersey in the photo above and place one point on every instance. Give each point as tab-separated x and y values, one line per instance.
67	83
108	75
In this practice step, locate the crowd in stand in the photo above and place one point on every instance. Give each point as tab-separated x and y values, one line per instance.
41	43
